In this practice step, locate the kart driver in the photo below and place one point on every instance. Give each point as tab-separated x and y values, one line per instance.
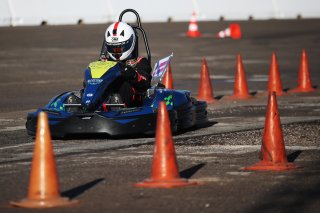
120	45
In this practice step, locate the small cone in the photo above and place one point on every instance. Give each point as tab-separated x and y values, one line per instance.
193	29
167	79
304	82
273	151
165	172
274	84
205	88
240	85
44	189
235	30
224	33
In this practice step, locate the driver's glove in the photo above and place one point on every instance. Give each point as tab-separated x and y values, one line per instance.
128	72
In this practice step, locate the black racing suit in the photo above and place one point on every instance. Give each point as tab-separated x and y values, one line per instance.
132	86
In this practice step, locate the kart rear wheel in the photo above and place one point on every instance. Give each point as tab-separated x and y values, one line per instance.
201	112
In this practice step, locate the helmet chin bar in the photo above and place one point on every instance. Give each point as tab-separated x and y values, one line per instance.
117	56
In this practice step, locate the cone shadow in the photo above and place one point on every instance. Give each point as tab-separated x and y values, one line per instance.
75	192
253	93
194	128
293	156
219	97
188	173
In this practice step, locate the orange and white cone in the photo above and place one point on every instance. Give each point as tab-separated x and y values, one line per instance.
193	31
233	31
224	33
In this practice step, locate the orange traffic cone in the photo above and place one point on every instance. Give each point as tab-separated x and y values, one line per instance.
205	88
273	150
167	79
240	85
165	172
224	33
233	31
193	31
304	82
274	83
44	189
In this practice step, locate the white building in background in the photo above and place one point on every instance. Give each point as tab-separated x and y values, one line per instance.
56	12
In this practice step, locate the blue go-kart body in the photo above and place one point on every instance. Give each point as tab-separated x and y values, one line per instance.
87	112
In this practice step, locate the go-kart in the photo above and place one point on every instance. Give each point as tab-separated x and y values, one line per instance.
94	110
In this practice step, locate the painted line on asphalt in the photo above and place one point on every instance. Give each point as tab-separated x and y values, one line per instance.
12	128
234	149
215	129
197	76
37	82
16	146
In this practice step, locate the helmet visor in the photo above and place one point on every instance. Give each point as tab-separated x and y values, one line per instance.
119	47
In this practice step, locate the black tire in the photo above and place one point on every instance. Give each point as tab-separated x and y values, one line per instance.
201	115
186	116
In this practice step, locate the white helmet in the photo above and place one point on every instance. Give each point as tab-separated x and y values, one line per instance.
120	41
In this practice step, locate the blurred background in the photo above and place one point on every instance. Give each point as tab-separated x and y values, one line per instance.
60	12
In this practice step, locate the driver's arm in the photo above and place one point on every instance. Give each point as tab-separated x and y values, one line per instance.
143	69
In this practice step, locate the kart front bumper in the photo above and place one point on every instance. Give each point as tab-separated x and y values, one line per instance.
94	123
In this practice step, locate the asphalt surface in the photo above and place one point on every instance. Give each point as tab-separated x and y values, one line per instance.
37	63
